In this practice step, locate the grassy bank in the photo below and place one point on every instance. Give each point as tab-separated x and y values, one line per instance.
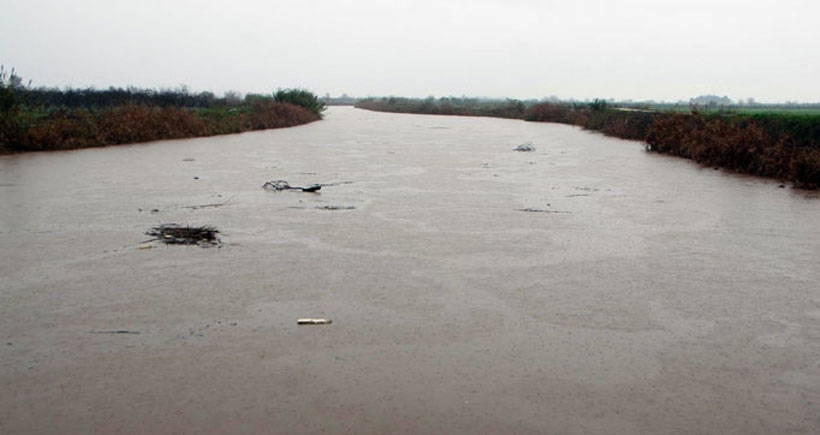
50	119
779	144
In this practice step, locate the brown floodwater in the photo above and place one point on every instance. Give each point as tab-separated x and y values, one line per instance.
587	287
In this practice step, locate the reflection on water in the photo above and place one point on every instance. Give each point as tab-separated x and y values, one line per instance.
585	287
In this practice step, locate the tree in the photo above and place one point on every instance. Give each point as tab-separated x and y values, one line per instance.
711	100
598	105
14	118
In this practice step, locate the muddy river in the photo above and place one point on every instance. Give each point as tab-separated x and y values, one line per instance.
587	287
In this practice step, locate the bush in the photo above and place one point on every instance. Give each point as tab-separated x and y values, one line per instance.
301	98
551	112
738	144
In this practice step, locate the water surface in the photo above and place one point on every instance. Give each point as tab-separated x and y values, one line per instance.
586	287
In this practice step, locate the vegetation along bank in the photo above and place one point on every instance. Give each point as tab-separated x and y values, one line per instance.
784	145
40	119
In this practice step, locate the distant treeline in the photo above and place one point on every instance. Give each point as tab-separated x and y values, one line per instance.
39	119
344	100
52	98
783	145
447	106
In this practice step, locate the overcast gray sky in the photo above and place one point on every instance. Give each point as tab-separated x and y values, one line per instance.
622	49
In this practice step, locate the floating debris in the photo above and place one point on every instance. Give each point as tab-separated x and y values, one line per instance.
312	321
214	205
336	207
541	210
338	183
174	234
284	185
526	146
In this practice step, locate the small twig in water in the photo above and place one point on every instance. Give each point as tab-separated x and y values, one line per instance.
218	204
116	331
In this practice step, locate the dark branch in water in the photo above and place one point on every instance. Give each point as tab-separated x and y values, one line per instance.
117	331
283	185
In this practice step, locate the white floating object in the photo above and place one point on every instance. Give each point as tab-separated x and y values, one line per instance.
311	321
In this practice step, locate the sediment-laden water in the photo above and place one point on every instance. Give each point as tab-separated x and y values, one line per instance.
584	287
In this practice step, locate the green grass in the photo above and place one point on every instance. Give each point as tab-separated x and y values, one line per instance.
810	111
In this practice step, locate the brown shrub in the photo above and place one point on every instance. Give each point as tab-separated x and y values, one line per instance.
553	112
738	146
63	131
804	168
267	114
130	124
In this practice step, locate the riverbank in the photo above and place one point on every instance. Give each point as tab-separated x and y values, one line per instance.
783	146
49	119
83	128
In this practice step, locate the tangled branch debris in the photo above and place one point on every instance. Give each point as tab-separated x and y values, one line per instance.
174	234
283	185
